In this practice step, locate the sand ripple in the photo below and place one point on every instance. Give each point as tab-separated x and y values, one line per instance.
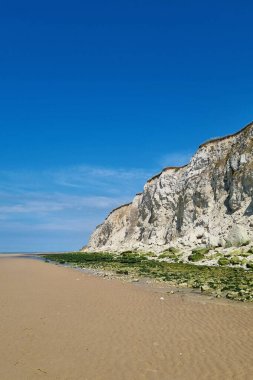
56	323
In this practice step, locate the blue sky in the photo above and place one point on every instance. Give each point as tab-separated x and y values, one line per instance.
97	96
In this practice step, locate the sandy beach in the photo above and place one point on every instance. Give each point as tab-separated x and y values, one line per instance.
58	323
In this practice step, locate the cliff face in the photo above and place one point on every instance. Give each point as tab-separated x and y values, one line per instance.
207	202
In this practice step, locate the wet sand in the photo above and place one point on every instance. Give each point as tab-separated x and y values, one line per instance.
58	323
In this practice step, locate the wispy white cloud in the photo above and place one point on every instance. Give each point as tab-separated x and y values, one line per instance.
66	203
43	203
77	224
176	159
108	180
83	177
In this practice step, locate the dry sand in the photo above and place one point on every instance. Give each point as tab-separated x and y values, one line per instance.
58	323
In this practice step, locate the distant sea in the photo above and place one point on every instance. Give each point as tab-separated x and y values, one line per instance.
28	253
23	253
15	253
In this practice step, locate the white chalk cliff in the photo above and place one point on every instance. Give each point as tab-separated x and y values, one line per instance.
207	202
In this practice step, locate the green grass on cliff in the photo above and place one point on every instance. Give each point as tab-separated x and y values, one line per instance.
233	283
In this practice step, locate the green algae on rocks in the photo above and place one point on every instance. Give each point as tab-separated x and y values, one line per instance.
231	282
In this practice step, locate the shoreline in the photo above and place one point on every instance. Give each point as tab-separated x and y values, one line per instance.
153	285
217	282
145	282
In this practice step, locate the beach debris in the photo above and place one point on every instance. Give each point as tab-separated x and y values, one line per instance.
162	298
41	370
